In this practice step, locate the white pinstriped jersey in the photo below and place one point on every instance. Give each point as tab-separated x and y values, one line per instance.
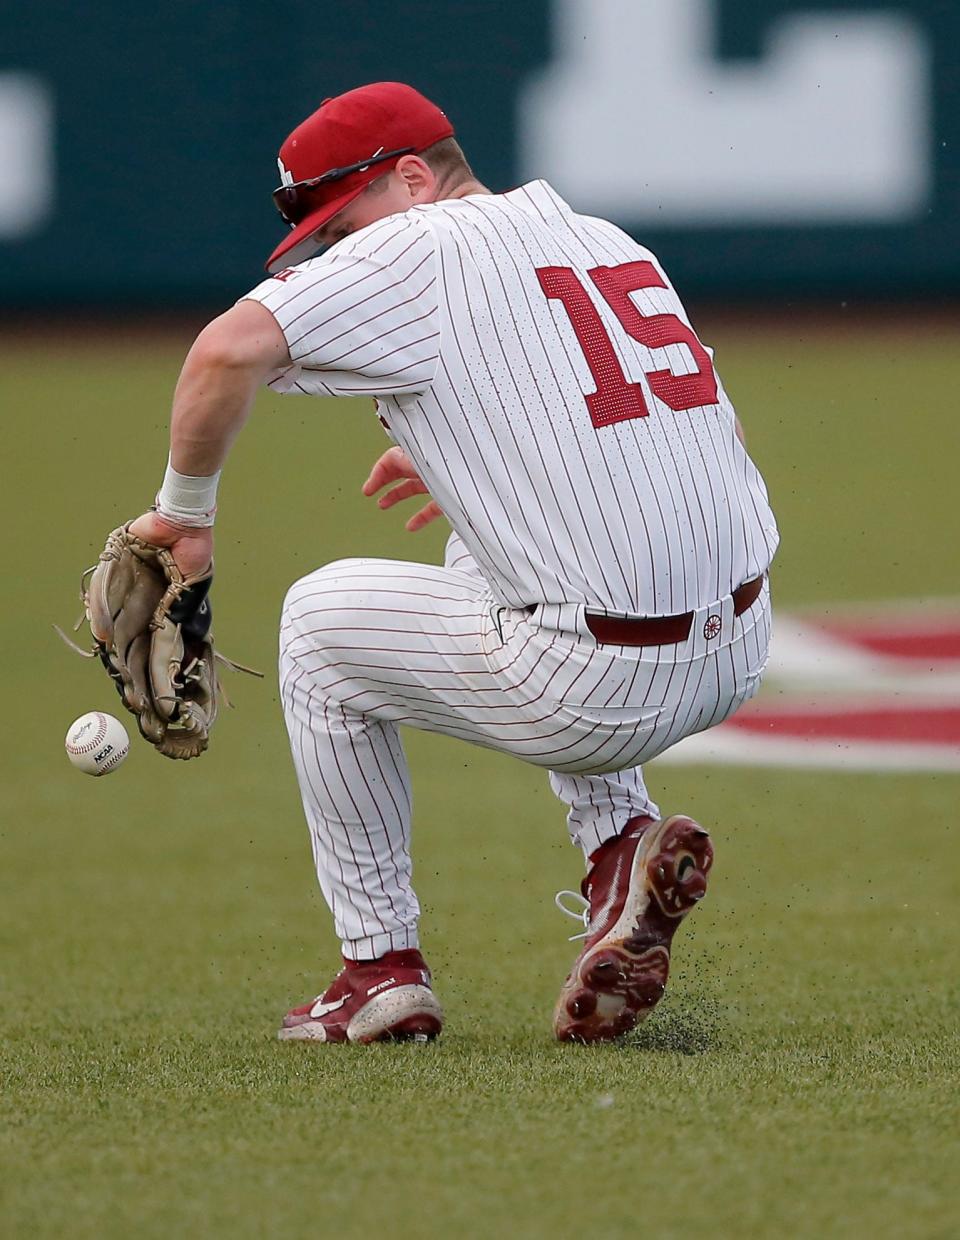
540	371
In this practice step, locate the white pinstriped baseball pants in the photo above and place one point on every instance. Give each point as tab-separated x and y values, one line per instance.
367	645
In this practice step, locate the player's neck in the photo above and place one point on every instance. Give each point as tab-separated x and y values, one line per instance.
463	190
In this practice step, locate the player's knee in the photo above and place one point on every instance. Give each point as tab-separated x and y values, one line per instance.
327	577
326	592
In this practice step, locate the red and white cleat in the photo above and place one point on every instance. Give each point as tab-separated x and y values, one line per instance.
371	1001
640	888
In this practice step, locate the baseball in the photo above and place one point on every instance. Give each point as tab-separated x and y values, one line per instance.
97	743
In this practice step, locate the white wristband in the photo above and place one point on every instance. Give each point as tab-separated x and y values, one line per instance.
187	500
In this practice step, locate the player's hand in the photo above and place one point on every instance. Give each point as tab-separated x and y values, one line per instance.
396	466
192	549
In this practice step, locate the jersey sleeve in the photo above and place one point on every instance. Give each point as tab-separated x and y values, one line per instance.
362	319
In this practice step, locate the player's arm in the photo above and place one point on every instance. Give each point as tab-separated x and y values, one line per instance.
228	362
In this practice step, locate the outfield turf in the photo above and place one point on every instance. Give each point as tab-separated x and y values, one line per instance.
800	1079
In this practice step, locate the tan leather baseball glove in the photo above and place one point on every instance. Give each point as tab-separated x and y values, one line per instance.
151	630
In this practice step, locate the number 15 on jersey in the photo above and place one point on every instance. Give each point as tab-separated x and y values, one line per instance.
615	399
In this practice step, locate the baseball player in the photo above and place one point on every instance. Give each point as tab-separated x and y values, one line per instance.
604	591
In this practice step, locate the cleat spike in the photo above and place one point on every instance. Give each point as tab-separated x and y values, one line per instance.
582	1004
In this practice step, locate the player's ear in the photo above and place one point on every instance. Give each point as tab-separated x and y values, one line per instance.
417	177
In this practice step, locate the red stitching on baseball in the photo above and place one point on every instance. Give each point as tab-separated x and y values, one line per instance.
94	744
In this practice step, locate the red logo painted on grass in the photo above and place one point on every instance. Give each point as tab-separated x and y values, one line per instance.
865	690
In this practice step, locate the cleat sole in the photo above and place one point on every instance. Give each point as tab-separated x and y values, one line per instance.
617	982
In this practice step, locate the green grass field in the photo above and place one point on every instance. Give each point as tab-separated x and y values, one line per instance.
800	1080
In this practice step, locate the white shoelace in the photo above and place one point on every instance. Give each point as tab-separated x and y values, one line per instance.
582	914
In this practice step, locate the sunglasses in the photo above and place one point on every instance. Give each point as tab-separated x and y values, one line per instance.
294	201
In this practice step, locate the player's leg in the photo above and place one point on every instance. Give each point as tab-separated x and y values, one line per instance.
600	806
356	797
365	645
358	639
645	875
355	789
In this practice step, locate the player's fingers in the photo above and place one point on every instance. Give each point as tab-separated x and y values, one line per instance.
379	476
403	490
384	470
392	465
428	513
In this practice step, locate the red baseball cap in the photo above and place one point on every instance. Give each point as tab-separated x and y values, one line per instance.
334	154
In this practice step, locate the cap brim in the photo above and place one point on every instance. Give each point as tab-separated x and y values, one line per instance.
300	243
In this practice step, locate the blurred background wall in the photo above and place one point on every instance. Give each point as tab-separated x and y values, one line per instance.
764	148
